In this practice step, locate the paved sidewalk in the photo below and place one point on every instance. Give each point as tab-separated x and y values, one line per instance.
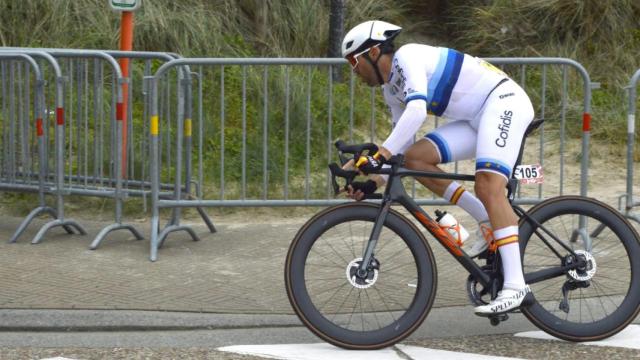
238	270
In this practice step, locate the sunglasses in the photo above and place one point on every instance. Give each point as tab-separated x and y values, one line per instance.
353	58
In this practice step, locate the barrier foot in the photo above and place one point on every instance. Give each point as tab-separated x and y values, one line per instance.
173	228
64	223
633	217
155	229
113	227
32	215
207	220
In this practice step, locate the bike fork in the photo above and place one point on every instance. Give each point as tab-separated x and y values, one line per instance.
373	239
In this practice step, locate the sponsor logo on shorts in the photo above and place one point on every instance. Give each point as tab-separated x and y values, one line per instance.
504	127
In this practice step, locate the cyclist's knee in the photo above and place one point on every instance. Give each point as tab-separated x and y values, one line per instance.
489	186
420	155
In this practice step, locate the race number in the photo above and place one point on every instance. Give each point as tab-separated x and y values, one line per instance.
529	174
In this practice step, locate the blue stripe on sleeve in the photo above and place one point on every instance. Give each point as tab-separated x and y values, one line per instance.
437	74
415	96
443	80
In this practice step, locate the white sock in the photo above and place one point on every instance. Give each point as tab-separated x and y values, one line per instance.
457	195
507	241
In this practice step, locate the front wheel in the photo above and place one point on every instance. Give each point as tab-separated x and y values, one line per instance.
598	298
360	311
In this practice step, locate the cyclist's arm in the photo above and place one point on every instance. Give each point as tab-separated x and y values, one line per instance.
411	77
408	125
406	135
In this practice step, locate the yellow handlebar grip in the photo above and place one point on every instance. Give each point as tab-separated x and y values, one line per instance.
361	161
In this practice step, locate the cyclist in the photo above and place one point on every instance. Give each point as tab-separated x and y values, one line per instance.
488	114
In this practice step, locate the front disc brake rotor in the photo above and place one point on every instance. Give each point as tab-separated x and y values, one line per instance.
357	281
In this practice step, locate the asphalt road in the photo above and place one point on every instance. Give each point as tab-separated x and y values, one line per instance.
112	335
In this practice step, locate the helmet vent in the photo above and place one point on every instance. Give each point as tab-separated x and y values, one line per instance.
349	44
389	33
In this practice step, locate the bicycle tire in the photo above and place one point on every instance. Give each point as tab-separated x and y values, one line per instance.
357	219
614	288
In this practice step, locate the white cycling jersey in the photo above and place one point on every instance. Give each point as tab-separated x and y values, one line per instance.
453	84
459	87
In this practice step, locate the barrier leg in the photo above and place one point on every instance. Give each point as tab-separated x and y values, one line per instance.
155	229
64	223
207	220
114	227
32	215
173	228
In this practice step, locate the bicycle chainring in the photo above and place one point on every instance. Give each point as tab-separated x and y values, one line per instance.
476	292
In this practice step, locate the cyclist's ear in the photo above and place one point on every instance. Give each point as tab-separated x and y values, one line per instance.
375	52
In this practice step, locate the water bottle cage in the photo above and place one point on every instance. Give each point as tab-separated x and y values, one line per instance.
451	229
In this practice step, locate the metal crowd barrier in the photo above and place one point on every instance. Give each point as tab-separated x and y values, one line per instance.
136	180
42	126
272	110
631	202
96	162
75	119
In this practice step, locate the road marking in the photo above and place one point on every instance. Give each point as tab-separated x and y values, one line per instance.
627	338
416	352
322	351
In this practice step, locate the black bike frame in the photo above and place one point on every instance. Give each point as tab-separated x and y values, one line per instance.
396	193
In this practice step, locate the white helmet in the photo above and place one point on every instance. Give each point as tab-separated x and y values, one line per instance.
368	34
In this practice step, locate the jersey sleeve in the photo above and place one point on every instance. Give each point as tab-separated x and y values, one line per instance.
409	123
396	111
411	78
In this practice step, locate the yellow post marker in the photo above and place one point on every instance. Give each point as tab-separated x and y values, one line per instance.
187	127
154	125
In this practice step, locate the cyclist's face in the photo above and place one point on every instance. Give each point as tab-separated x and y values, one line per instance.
365	69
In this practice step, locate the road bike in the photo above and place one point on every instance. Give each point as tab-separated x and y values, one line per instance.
361	275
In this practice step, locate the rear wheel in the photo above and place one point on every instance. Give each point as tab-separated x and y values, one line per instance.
599	298
360	311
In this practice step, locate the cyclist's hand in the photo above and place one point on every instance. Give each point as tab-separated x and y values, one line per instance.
358	189
370	163
349	165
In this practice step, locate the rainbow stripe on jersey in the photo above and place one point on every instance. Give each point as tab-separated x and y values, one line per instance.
442	81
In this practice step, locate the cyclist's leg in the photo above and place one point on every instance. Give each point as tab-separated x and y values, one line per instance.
501	126
450	142
424	156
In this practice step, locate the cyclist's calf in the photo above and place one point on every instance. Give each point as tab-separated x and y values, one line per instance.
490	189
